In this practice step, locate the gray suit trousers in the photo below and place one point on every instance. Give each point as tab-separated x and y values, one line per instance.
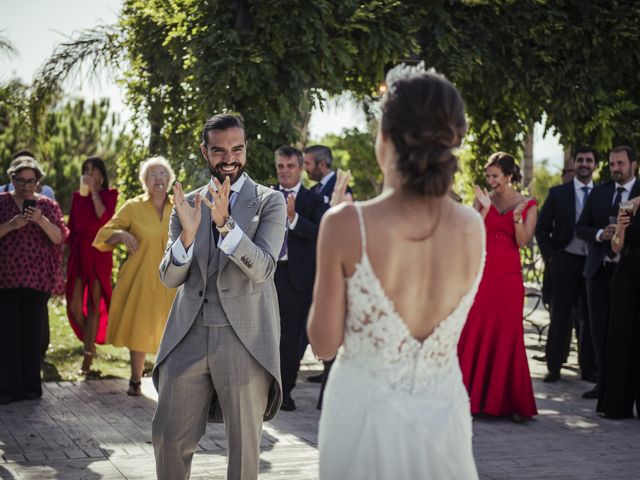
208	358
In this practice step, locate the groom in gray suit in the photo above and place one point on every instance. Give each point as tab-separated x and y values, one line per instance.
220	344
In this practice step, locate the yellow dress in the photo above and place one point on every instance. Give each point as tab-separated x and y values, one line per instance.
140	303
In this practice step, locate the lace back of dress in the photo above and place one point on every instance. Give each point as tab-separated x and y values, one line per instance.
377	337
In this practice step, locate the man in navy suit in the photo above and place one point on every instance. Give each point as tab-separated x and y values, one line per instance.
596	226
296	268
566	255
317	162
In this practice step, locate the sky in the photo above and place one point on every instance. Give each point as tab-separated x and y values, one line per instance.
35	27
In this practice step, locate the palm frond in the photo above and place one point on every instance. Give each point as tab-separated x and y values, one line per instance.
97	48
6	46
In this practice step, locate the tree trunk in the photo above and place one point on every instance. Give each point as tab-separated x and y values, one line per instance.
568	171
527	168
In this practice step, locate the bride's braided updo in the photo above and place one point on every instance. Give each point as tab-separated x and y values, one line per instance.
423	115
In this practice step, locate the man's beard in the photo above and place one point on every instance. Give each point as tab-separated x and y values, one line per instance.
221	176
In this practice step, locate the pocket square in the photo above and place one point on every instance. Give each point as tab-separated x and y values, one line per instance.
256	218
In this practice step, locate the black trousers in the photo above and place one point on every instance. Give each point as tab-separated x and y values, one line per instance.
294	309
569	297
20	343
620	380
599	296
46	332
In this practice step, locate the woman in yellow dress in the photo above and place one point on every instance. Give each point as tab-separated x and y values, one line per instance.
140	303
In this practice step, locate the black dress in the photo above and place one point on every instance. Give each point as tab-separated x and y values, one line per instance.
620	382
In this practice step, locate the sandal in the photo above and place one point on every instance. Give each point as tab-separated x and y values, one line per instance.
134	388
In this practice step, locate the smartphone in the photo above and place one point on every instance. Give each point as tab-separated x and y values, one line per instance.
27	203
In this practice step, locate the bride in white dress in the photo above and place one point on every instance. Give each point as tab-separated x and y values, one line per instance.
396	278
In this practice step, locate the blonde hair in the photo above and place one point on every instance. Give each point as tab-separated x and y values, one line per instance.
153	162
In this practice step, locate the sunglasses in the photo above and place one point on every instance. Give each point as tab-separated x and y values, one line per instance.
23	181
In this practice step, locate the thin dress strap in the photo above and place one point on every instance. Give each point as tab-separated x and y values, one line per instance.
363	233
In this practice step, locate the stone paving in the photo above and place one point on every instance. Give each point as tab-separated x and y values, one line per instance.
93	430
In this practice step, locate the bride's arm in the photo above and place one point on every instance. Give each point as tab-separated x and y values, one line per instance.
326	316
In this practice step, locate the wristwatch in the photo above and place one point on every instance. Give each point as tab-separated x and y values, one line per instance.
228	225
519	221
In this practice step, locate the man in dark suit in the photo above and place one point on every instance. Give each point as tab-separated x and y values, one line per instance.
317	162
596	226
297	264
565	254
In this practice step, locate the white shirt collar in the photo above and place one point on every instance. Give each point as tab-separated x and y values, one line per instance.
326	178
294	189
235	187
627	186
577	184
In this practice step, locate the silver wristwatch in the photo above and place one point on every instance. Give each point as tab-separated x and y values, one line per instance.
228	225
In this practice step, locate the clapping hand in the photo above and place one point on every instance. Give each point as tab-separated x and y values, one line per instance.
219	204
291	207
517	212
483	198
340	194
189	216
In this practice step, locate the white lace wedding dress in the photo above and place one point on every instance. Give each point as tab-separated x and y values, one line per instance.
394	407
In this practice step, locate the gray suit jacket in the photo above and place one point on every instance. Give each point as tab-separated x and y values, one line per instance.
242	281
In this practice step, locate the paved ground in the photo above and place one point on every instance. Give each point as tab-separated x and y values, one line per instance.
92	430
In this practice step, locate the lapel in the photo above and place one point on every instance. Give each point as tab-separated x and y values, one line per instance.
635	190
570	200
201	248
300	199
243	211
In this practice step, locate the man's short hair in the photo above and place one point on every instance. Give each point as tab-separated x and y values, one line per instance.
585	149
222	121
320	152
289	151
631	154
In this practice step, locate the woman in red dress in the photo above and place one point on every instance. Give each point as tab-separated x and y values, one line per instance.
491	348
88	289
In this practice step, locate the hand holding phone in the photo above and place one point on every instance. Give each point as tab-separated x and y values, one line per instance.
26	204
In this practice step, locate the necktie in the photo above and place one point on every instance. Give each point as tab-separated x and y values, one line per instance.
616	201
283	250
585	194
317	188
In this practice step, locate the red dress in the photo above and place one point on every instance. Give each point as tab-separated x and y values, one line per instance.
491	349
85	261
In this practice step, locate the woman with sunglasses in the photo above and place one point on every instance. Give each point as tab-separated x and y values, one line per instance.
31	232
140	304
89	270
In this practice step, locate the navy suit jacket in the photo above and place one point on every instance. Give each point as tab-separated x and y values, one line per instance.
301	241
595	216
327	190
557	221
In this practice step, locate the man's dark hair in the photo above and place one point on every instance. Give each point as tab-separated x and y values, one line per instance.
320	152
289	151
222	121
631	154
23	153
585	149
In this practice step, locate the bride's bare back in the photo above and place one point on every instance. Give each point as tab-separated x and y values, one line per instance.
424	278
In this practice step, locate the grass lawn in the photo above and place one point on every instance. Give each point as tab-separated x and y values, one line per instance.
64	355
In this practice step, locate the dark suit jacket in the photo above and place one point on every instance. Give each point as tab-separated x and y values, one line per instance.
301	241
557	221
327	190
595	216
